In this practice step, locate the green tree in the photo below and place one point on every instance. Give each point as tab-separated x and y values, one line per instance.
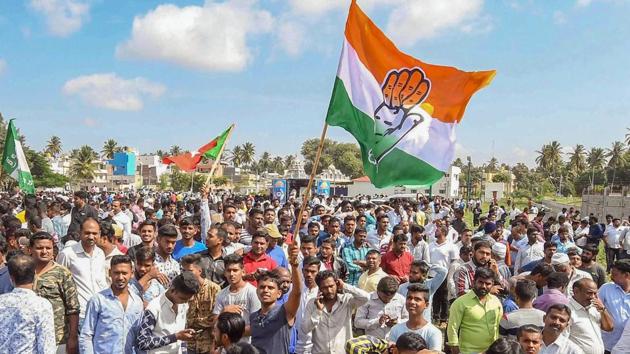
616	158
628	136
345	156
53	147
288	161
180	181
265	162
236	156
501	177
82	166
248	154
492	165
175	150
278	165
164	182
458	163
549	158
110	147
577	160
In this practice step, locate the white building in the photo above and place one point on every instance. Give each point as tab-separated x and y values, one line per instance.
447	186
151	168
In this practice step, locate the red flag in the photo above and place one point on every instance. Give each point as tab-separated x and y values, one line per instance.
188	162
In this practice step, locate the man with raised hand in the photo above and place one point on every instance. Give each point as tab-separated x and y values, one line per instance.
271	324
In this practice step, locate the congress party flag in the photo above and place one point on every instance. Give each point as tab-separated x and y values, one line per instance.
402	111
14	161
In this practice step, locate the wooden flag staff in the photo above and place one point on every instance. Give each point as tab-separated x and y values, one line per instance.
298	221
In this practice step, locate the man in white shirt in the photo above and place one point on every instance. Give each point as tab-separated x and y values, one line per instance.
588	317
124	222
86	262
385	309
534	250
554	342
380	237
612	235
561	263
329	315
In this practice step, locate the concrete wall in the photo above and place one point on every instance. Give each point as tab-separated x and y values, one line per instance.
600	205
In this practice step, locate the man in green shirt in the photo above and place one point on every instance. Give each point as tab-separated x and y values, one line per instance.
474	318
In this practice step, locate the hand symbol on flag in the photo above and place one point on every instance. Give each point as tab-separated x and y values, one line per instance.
403	90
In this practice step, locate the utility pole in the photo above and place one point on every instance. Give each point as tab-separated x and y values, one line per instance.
468	186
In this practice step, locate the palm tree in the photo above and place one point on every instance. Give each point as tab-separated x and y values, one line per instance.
288	161
492	165
109	148
616	158
53	147
175	150
160	153
628	137
248	153
82	166
577	159
237	156
278	164
596	158
550	157
265	161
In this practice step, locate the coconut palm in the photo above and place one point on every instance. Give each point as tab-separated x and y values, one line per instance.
53	147
628	136
550	157
278	164
248	153
109	148
616	158
577	159
175	150
82	165
160	153
288	161
492	165
265	161
596	158
237	156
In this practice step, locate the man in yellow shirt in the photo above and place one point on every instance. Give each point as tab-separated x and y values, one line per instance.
474	318
368	281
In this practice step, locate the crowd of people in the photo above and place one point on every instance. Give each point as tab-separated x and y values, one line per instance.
222	273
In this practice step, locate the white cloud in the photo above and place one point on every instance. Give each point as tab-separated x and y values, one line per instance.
559	18
212	37
291	37
316	7
110	91
412	21
89	122
3	66
63	17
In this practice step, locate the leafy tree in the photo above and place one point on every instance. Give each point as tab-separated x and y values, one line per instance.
501	177
180	182
288	161
278	165
248	154
549	158
110	147
40	170
53	147
345	156
82	166
458	162
164	182
175	150
616	158
265	161
492	165
577	160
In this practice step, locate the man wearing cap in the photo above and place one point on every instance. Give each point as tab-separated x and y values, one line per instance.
499	250
273	250
561	263
616	298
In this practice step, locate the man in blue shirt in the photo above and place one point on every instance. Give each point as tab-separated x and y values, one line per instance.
112	314
273	250
187	245
616	298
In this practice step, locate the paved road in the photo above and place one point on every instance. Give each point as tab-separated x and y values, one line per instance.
554	207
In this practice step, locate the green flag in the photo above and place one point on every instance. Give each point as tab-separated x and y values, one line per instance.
14	162
213	148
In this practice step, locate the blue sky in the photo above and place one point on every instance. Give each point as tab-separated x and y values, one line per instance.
152	74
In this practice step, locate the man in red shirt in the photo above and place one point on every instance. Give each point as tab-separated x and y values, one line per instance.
257	260
397	262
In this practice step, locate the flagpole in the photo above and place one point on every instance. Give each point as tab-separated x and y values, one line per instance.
298	221
218	160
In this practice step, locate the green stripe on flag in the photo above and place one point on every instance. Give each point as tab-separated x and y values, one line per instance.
14	161
220	140
398	167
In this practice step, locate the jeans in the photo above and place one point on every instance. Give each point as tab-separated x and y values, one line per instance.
440	303
612	254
